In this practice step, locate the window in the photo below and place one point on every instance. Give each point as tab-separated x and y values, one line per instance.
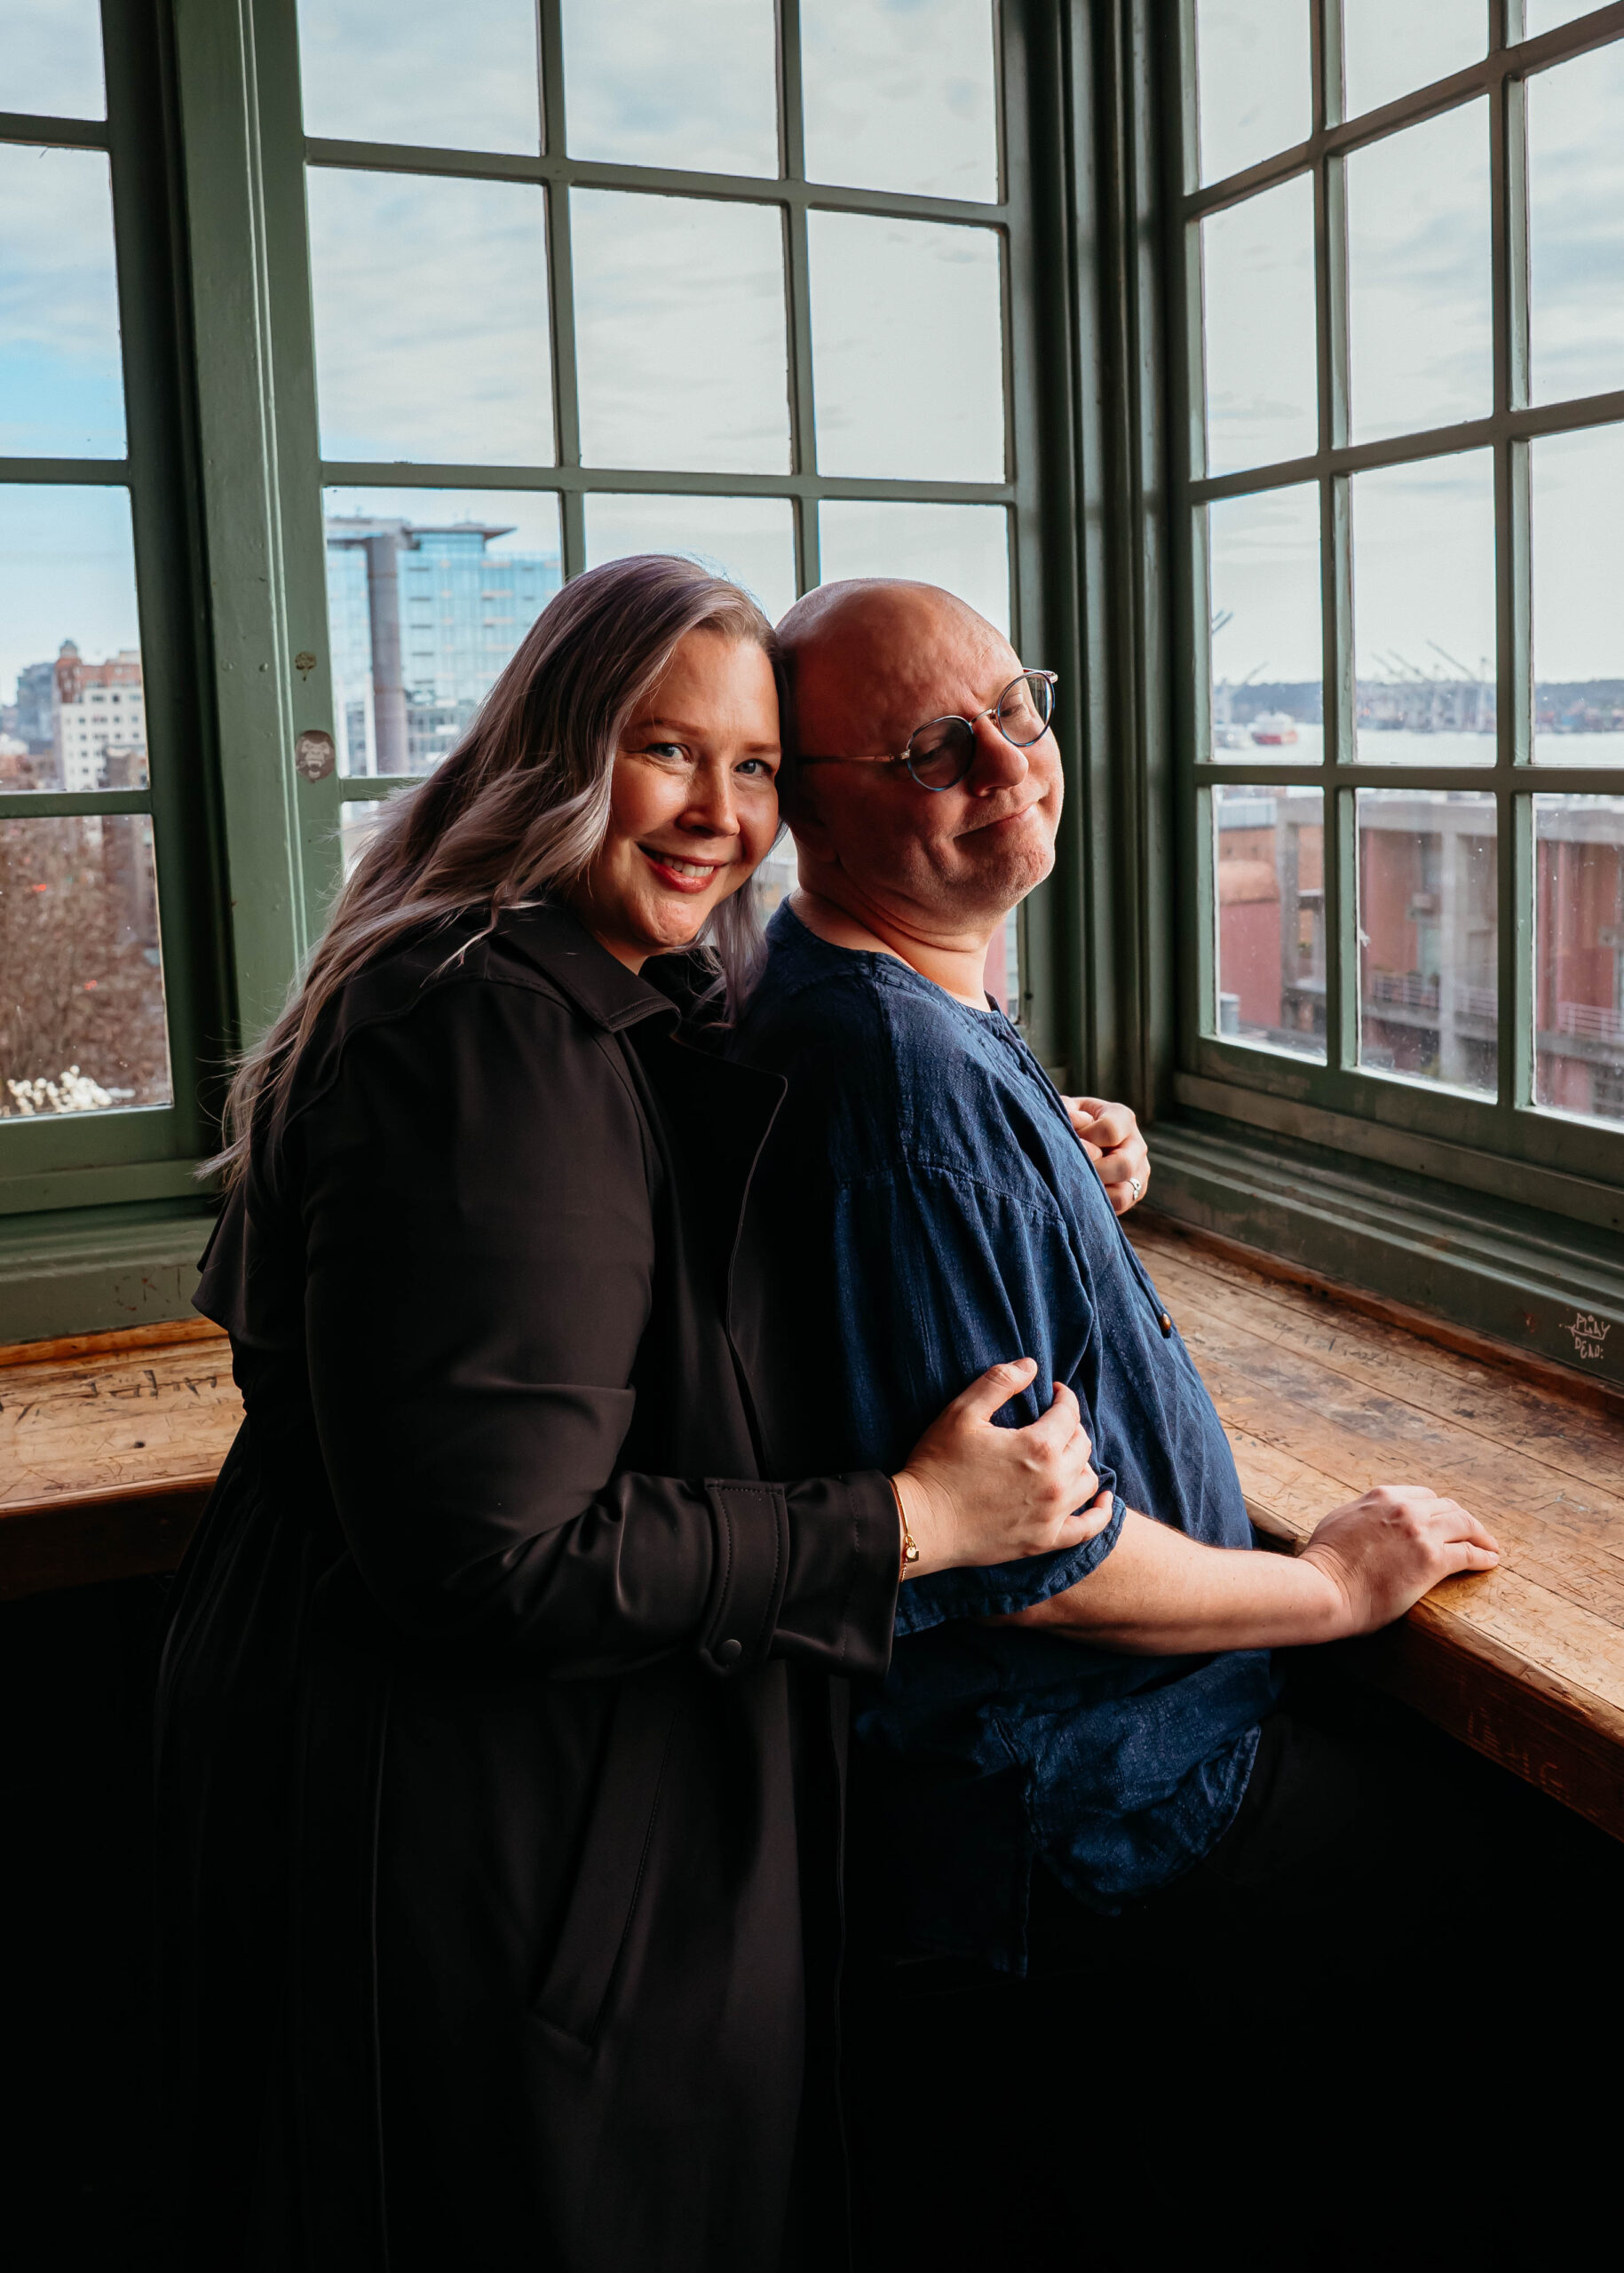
109	1001
729	279
1399	406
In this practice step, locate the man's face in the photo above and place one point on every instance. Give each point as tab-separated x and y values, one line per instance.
888	660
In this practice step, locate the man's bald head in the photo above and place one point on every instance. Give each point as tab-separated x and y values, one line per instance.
869	662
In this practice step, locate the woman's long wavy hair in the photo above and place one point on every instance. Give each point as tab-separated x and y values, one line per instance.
520	807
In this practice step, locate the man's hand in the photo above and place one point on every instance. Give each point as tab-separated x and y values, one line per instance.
1110	1137
1391	1546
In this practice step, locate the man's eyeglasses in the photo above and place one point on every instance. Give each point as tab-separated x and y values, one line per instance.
941	753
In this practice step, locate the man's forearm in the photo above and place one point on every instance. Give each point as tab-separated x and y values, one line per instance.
1159	1594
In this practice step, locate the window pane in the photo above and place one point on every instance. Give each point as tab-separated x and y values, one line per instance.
648	85
1262	556
1576	226
751	539
1423	612
1578	956
52	57
431	319
71	709
907	349
680	333
1252	78
460	78
1390	46
1545	15
1269	921
356	823
1578	544
61	384
901	95
1257	302
1418	277
82	1024
965	548
1428	1001
429	591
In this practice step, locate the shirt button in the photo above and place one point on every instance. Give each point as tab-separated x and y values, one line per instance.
1165	1323
728	1653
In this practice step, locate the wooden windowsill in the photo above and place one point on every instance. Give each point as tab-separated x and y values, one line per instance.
109	1444
1324	1394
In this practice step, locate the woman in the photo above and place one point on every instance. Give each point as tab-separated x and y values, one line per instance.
500	1742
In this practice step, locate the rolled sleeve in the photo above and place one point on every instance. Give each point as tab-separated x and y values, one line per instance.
1003	1588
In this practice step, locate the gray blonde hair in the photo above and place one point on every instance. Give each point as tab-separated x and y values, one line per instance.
520	808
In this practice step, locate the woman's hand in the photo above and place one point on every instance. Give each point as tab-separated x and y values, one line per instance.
972	1494
1110	1137
1387	1548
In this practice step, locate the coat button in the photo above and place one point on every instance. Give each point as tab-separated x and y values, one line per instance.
1165	1323
728	1653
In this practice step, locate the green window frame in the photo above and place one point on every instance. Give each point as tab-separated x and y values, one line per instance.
142	1158
1503	1144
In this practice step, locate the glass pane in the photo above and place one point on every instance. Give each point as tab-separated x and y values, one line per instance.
901	95
1429	999
1418	277
1269	921
356	823
1390	46
648	85
72	710
1578	544
680	333
81	1023
750	539
1578	956
429	591
1258	307
61	383
907	349
431	319
965	548
52	57
461	78
1545	15
1423	612
1252	83
1262	567
1576	226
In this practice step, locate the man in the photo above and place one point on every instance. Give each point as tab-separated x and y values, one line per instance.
1063	1738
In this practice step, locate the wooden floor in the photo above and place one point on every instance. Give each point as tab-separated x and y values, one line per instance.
1526	1662
109	1444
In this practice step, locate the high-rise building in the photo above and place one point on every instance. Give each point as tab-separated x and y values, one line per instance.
35	700
422	620
98	714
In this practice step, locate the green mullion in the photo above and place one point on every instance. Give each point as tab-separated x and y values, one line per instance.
1514	872
562	172
662	481
105	473
46	804
1339	843
59	133
561	288
354	788
797	281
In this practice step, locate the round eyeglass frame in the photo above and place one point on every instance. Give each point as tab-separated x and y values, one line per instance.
1048	680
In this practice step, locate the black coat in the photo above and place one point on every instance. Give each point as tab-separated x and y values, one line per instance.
499	1742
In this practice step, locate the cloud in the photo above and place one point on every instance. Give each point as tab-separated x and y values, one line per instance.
460	78
61	383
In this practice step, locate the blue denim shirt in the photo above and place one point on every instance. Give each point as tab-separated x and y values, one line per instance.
925	1196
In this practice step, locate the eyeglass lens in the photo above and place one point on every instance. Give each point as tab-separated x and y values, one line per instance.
940	754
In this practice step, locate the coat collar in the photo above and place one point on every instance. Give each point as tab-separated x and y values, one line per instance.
555	941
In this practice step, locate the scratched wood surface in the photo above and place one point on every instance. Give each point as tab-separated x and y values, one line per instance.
1526	1662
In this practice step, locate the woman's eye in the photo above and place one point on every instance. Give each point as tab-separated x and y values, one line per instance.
672	750
756	768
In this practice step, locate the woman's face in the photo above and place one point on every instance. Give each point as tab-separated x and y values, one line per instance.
694	807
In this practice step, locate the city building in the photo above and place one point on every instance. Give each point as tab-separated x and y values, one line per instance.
98	720
421	620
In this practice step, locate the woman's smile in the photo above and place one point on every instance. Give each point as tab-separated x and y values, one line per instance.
680	871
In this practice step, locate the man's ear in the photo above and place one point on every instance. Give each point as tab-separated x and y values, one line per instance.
798	801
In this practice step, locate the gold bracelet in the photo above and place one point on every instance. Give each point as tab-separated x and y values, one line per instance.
910	1550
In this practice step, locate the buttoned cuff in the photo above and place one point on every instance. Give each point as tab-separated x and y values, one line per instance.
752	1551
